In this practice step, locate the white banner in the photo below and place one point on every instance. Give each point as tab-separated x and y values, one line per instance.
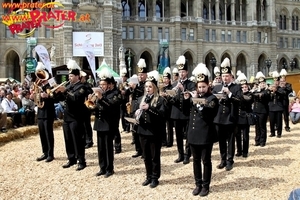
93	38
44	57
90	56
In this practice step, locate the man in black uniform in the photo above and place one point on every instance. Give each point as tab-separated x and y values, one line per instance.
123	86
138	91
287	89
87	114
226	119
45	119
180	115
73	125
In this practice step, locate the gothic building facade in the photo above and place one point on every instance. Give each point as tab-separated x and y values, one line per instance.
256	35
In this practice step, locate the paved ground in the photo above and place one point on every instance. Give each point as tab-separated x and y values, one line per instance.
270	172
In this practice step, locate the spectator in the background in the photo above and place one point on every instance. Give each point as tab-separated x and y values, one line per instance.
17	95
59	110
11	108
2	94
3	120
28	106
295	111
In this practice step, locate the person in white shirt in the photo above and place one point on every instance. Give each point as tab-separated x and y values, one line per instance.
3	120
11	108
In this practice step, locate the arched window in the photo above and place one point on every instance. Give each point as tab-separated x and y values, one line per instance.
284	23
220	14
126	8
213	14
142	9
158	9
295	23
280	22
205	13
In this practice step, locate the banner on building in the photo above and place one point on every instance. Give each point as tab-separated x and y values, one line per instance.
44	57
95	39
90	56
163	57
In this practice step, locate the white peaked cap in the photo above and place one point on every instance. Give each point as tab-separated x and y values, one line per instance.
167	70
216	71
141	63
40	66
134	79
201	69
175	71
225	63
72	65
193	78
153	75
82	73
123	71
283	72
259	75
180	60
275	74
104	73
238	72
242	78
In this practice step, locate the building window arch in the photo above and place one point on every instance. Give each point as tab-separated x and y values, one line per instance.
126	8
158	9
142	9
205	12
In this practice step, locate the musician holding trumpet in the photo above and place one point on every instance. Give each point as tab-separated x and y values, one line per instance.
45	113
201	130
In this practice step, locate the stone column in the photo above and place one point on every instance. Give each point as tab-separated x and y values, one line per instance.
232	7
217	11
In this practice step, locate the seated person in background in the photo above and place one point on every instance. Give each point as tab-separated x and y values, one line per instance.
28	106
295	111
17	96
3	120
59	110
11	108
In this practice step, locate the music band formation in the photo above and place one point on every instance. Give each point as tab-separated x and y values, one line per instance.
152	106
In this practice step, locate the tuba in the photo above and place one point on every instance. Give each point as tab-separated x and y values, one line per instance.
41	75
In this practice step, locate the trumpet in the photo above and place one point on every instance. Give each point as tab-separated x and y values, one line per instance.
50	91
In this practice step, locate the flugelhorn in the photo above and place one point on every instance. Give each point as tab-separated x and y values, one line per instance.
58	86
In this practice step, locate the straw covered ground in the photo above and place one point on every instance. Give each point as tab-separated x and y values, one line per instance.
270	172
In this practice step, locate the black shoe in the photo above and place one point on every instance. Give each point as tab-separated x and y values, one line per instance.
245	155
154	183
197	190
287	129
178	160
49	159
69	164
229	167
204	192
279	136
221	166
3	130
100	173
256	144
262	144
89	145
43	157
81	166
186	160
137	154
169	145
108	174
238	154
146	182
118	151
271	135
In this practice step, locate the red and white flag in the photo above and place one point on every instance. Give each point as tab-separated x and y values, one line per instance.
44	57
90	56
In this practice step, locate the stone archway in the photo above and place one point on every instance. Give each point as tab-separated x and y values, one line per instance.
211	62
148	59
189	62
13	68
261	65
241	64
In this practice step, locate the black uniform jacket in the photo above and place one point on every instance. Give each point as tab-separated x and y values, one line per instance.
228	106
276	100
261	100
168	108
177	101
201	129
74	97
105	111
115	98
152	120
286	91
48	110
245	106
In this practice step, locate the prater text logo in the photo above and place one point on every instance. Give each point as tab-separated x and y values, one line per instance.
25	18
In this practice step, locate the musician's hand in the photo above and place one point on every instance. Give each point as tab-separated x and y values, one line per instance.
186	95
194	94
226	90
122	92
61	89
145	106
44	95
98	94
132	85
180	86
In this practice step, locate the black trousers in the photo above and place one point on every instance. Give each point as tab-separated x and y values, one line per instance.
117	138
88	129
286	116
242	138
125	123
46	135
180	128
151	146
30	117
202	153
261	128
136	139
75	141
170	132
226	135
275	118
105	150
16	117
